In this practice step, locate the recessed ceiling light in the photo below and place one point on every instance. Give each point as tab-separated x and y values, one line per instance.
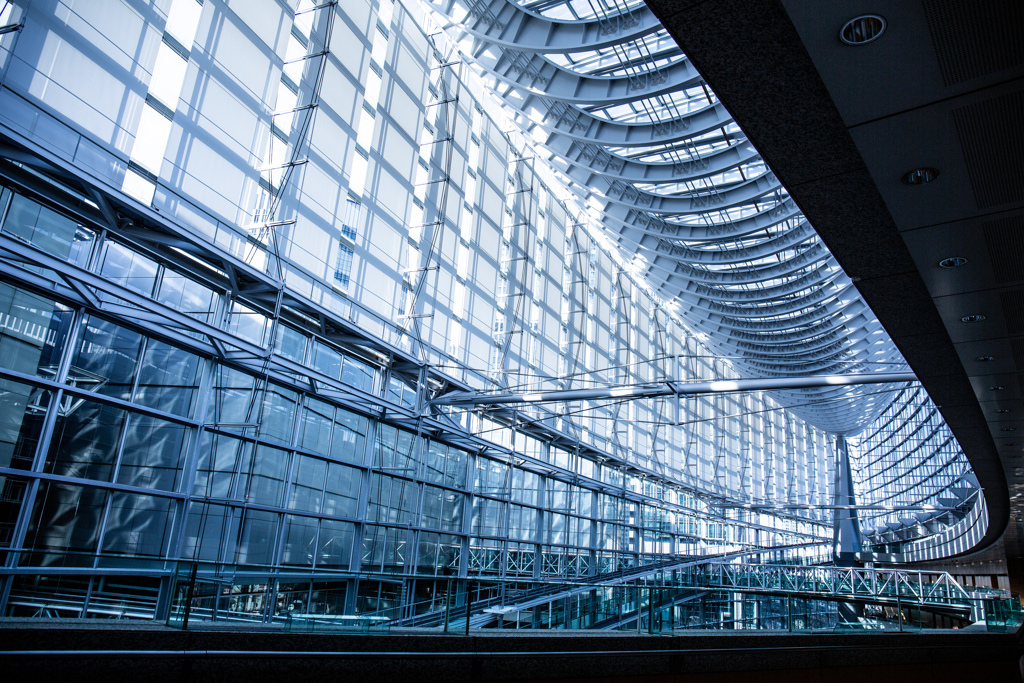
862	30
1003	410
953	262
997	387
1009	429
972	318
985	359
920	176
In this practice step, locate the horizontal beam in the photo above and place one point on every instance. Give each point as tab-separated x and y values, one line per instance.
674	389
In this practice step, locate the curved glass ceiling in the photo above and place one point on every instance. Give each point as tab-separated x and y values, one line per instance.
632	126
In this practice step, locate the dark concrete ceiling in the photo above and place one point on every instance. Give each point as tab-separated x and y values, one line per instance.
840	125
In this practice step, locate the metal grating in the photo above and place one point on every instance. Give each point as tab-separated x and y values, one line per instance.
1017	346
973	38
1013	310
992	137
1005	240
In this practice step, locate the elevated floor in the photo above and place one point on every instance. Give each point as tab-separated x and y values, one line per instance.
142	652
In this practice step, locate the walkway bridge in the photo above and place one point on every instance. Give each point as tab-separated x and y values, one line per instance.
930	591
613	600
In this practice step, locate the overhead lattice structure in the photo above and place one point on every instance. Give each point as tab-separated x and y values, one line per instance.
681	191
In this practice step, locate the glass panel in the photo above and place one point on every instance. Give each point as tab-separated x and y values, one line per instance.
85	440
445	465
219	459
66	519
137	525
278	415
394	449
526	487
187	296
22	409
290	343
487	517
153	453
307	489
315	429
326	360
358	374
341	498
348	442
490	476
107	358
232	396
12	496
432	502
426	558
247	323
391	500
292	597
265	482
442	509
48	230
129	269
258	539
299	539
33	332
168	378
209	532
328	597
334	550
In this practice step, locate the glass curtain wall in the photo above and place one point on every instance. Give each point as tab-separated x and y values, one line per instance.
244	245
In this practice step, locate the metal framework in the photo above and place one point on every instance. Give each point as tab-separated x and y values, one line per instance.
239	352
885	586
629	122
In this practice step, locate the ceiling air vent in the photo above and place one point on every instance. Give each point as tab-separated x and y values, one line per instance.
1013	310
973	38
992	139
1017	346
1005	240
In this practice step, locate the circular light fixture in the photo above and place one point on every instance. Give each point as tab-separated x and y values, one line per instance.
1003	410
920	176
953	262
997	387
985	359
862	30
972	318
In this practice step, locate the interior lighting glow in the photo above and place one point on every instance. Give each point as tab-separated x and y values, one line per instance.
183	20
138	187
168	76
151	140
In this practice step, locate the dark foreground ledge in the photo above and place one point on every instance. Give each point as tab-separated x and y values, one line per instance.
147	653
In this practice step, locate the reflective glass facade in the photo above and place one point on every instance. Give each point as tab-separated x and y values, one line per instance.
245	245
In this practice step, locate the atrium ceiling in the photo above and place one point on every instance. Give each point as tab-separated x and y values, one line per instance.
791	246
942	88
682	192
